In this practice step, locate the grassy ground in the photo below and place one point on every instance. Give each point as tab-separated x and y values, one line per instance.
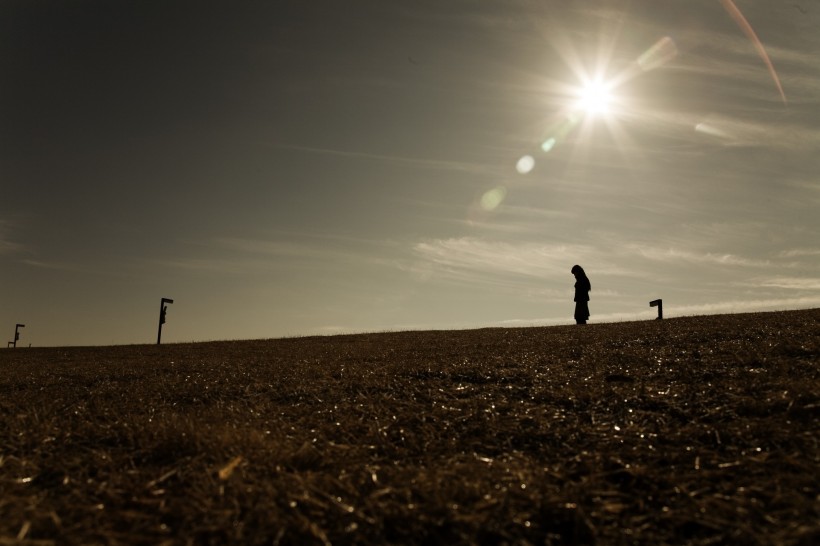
699	430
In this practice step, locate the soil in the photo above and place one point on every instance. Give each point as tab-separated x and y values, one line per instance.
696	430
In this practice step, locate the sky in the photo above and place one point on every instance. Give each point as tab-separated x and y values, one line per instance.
289	168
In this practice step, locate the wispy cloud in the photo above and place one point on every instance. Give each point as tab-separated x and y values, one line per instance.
800	252
210	265
475	167
7	244
9	247
477	259
677	255
742	306
473	259
481	256
307	246
779	134
54	265
272	248
792	283
512	220
241	255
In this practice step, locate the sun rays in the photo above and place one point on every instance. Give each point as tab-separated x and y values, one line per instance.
593	100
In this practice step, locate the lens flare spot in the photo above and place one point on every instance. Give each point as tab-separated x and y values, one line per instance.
663	51
525	164
559	131
548	144
711	130
492	199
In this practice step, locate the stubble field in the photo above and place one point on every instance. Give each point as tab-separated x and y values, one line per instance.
699	430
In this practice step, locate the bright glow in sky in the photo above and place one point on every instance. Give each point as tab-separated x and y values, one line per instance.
293	168
594	97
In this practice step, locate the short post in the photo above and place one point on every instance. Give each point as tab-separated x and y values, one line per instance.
17	334
162	310
659	305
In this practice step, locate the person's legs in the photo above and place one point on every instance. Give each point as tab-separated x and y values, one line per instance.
581	312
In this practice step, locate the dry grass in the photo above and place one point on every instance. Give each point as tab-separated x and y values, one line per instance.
696	430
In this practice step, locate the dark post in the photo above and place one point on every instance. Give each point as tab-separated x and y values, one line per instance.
659	305
17	334
162	309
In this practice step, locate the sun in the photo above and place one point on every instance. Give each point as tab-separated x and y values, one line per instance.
594	97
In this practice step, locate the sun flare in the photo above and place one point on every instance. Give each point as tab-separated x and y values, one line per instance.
594	97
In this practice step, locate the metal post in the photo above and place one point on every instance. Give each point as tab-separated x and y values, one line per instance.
659	305
17	334
162	310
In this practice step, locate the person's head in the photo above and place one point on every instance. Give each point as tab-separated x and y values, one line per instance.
578	271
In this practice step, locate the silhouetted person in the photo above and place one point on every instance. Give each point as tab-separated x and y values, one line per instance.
582	289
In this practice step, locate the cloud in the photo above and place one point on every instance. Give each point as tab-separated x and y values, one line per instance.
56	266
744	306
242	256
675	255
210	265
433	164
489	261
477	260
273	248
496	257
800	252
7	245
792	283
785	134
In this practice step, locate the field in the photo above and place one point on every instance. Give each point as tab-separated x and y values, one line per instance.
697	430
